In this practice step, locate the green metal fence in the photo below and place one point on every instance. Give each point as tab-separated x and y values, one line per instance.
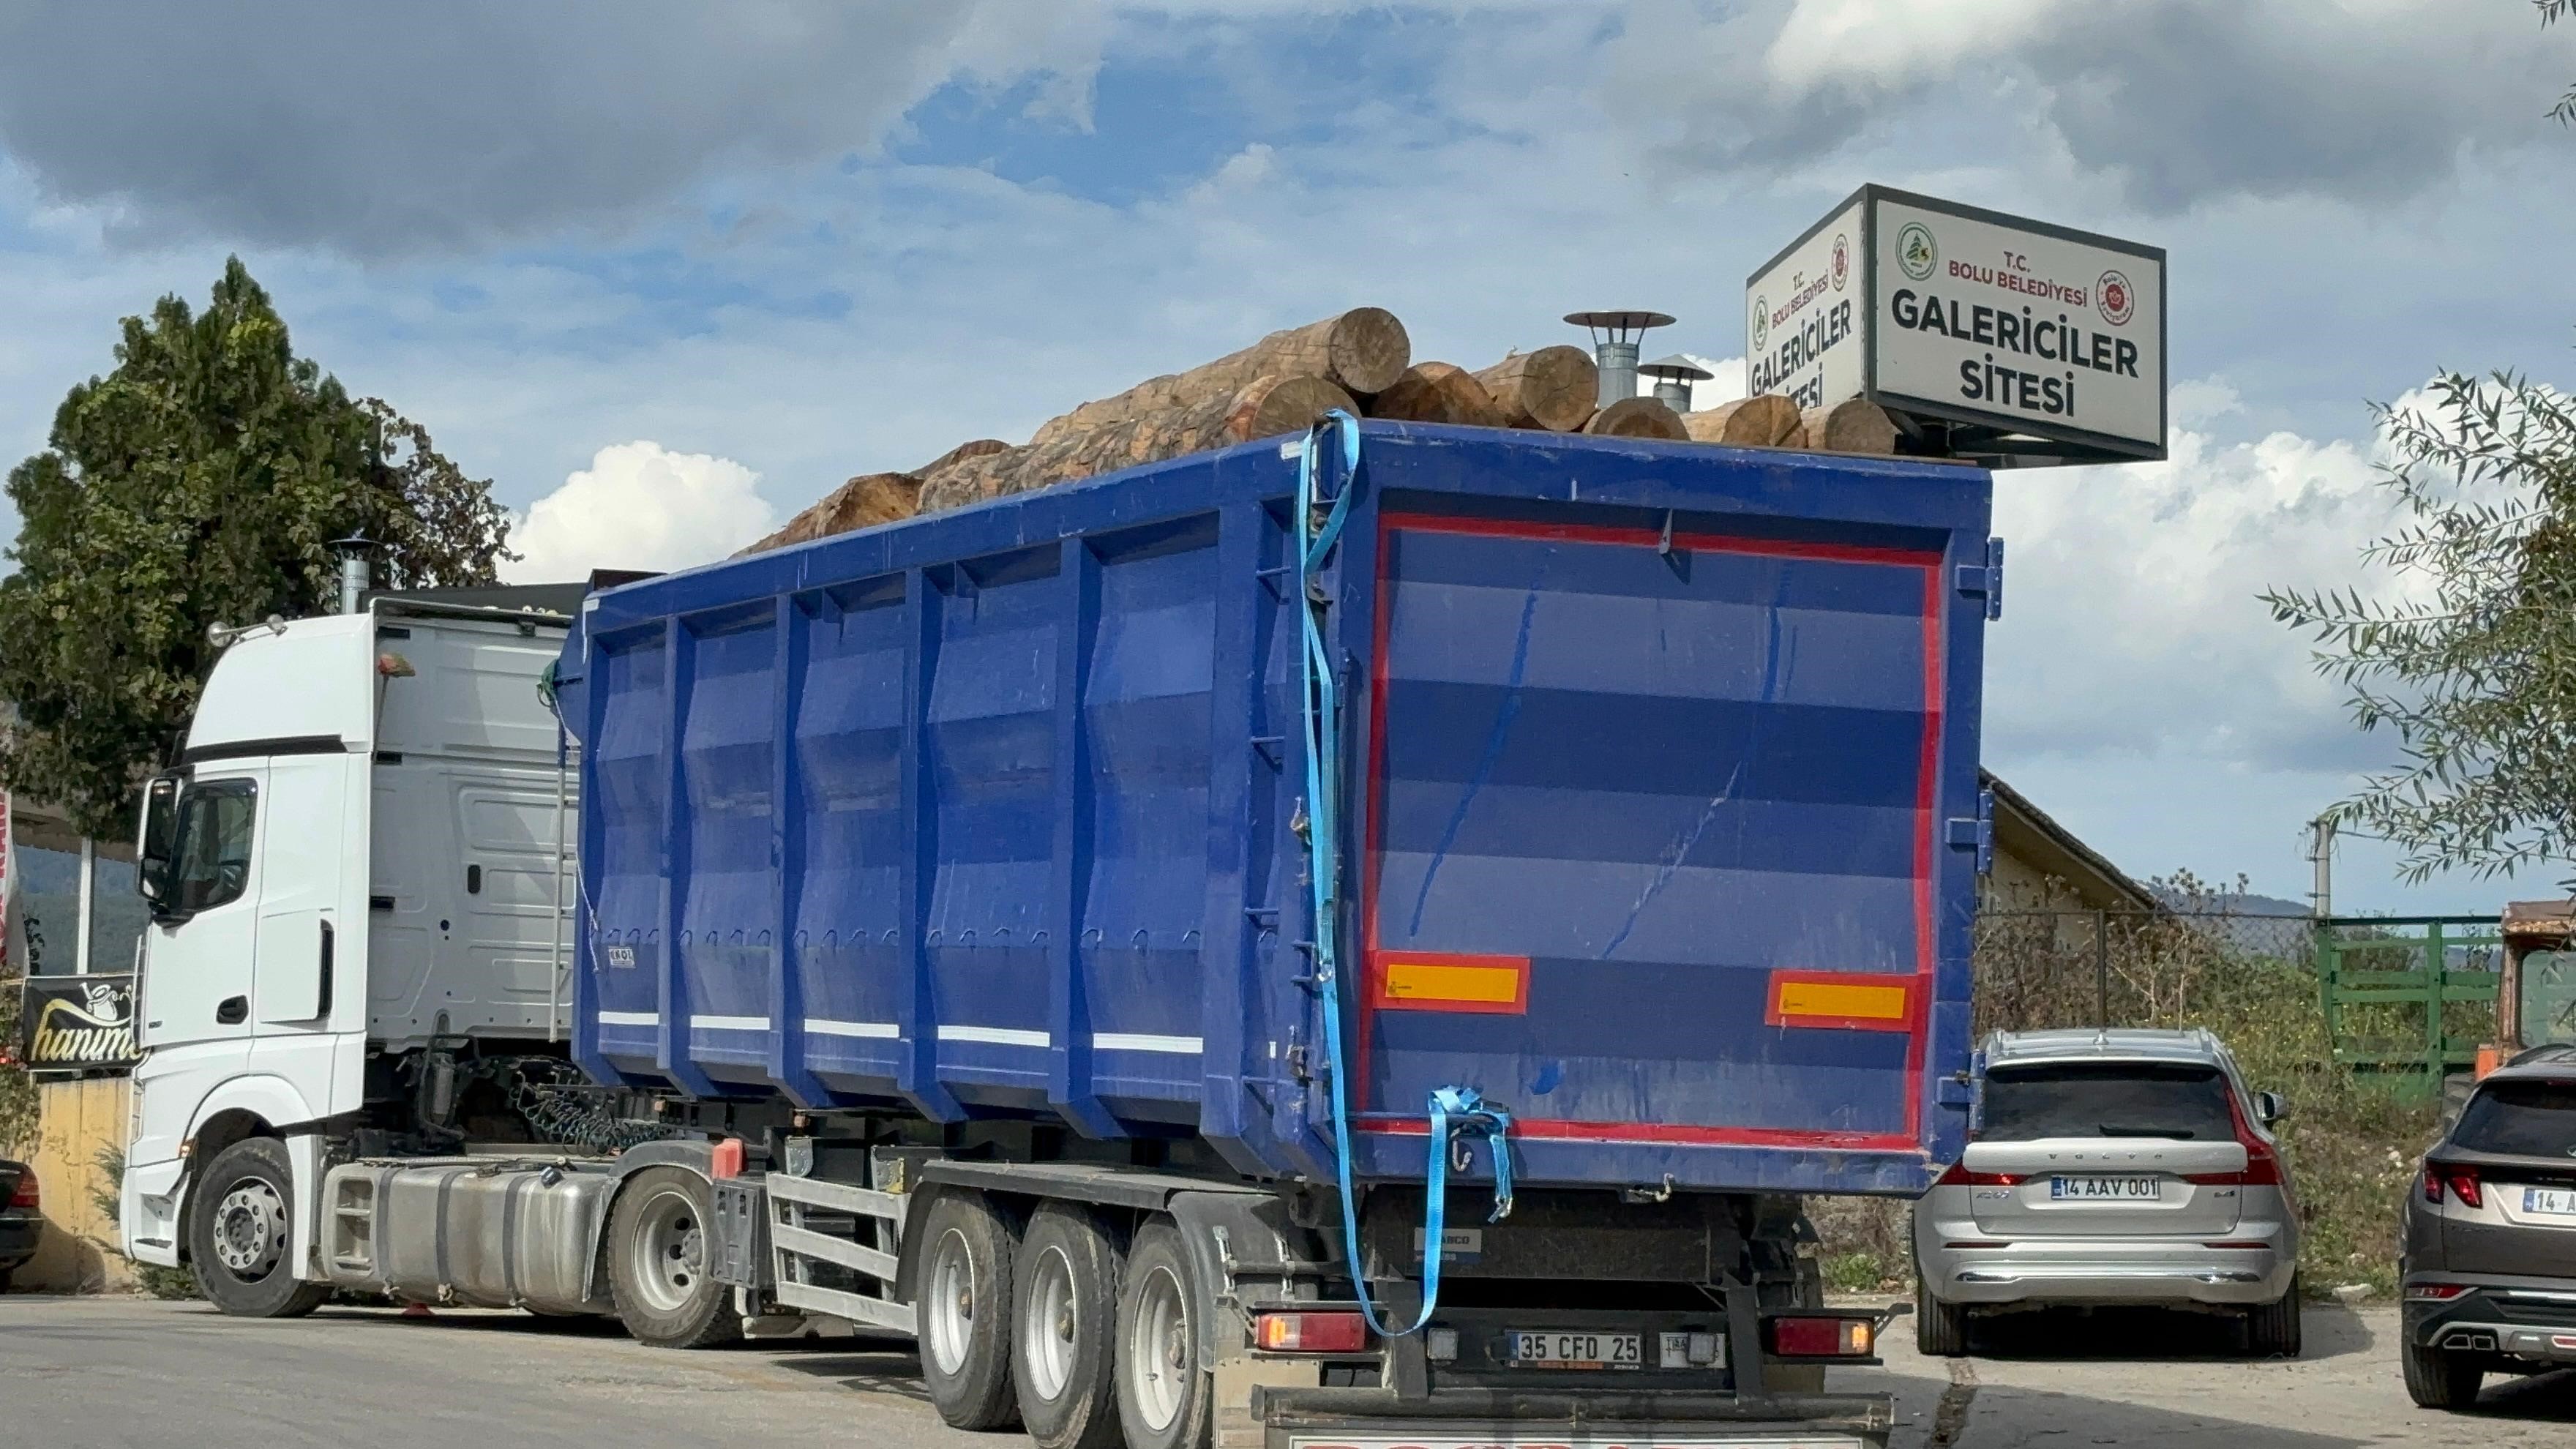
2409	993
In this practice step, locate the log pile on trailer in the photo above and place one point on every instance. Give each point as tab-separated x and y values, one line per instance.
1360	361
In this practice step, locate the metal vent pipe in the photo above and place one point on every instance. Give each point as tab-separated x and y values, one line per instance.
1615	336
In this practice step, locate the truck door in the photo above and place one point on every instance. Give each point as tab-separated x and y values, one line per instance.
302	970
198	954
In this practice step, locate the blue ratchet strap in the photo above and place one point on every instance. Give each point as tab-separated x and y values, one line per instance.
1454	1111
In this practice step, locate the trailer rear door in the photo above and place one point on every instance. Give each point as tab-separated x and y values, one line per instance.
1652	832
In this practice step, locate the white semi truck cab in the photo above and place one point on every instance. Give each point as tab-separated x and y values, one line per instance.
354	873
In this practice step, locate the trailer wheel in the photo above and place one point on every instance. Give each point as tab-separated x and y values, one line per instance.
240	1220
1064	1311
657	1262
1163	1388
964	1302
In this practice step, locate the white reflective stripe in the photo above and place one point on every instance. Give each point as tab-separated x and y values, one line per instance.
1129	1041
879	1030
729	1023
630	1018
995	1035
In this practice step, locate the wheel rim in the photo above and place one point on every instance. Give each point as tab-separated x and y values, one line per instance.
666	1255
948	1311
250	1229
1047	1335
1156	1355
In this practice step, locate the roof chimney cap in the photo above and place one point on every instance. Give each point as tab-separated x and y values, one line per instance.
1620	325
1677	367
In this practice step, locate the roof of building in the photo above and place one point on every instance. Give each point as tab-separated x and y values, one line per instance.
2028	833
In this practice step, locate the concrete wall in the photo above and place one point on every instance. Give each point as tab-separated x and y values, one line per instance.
78	1119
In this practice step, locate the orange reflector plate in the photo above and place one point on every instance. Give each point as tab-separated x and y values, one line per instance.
1850	1000
1440	981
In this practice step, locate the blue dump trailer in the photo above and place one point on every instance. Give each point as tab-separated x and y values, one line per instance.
1360	939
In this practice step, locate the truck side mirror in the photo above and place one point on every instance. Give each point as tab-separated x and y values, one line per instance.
159	844
2269	1109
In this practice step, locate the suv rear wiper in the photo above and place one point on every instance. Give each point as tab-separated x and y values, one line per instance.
2114	1129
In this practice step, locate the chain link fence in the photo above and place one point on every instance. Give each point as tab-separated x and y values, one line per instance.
2038	969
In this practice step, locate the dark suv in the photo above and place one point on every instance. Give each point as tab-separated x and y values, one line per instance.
2490	1260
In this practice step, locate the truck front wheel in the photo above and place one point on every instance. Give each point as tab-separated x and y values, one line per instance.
657	1262
240	1220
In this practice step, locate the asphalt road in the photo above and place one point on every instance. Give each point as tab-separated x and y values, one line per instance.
87	1373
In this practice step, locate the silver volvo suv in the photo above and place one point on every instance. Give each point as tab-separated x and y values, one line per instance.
2112	1167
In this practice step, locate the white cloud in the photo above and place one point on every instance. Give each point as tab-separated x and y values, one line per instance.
639	506
2132	627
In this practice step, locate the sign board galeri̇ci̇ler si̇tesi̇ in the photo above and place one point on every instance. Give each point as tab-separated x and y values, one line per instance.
1993	337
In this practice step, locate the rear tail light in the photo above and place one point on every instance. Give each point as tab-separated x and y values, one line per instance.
2435	1292
25	1195
1960	1176
1310	1332
1822	1337
2462	1182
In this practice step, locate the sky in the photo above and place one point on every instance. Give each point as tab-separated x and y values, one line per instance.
668	272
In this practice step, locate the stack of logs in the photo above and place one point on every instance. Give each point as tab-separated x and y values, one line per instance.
1360	361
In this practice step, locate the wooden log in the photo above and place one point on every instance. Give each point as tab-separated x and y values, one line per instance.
1438	392
1265	407
1850	427
1361	351
862	502
1553	388
869	500
1638	417
1767	421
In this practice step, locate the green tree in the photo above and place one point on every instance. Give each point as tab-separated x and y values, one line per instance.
2470	660
200	482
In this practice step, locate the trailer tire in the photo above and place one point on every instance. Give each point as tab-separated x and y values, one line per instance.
964	1305
1064	1316
240	1220
657	1262
1165	1391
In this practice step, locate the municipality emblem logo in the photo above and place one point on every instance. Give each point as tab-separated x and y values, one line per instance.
1842	261
2115	297
1916	252
1761	322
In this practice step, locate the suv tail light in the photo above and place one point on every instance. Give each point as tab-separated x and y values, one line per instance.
1960	1176
1822	1337
25	1195
2462	1181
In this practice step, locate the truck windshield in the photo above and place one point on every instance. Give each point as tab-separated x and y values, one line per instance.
2520	1119
2548	997
2107	1099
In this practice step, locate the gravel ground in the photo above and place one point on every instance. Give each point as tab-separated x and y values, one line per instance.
87	1373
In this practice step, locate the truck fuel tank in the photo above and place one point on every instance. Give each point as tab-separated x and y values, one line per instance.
491	1232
